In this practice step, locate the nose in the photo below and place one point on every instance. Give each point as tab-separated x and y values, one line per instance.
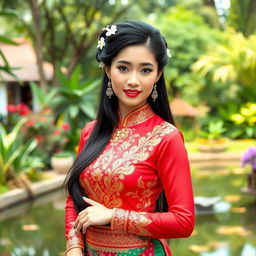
133	80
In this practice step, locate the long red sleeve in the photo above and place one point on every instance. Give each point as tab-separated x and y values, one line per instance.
173	169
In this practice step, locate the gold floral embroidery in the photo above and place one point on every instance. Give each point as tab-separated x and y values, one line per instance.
120	134
130	222
119	220
138	116
137	221
143	193
107	240
104	183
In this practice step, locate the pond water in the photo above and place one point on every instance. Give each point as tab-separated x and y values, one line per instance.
37	228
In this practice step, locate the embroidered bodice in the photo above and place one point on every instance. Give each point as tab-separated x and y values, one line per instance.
144	156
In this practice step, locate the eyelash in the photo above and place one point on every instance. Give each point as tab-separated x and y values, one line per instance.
124	68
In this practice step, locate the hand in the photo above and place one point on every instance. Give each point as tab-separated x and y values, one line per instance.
96	214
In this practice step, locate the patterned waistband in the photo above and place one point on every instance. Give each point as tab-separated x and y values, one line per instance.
104	237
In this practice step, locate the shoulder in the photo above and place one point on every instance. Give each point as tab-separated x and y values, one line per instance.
170	133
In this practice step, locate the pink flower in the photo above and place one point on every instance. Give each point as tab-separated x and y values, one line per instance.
57	132
65	126
11	108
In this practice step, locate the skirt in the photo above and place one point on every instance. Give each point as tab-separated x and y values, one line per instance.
102	241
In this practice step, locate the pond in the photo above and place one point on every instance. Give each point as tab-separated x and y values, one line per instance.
37	228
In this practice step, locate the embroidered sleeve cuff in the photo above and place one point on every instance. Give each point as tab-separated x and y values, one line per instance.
74	240
119	220
130	222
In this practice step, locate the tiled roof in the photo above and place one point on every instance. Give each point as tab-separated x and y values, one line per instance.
23	57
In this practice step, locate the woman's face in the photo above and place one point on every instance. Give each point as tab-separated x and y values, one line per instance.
133	73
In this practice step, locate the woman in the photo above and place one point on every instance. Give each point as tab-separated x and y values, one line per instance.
130	187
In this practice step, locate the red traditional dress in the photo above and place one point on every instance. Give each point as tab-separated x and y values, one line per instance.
144	156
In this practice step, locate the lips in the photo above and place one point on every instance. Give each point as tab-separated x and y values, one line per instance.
132	93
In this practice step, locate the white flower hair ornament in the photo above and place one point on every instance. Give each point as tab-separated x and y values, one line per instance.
110	31
101	64
168	52
101	43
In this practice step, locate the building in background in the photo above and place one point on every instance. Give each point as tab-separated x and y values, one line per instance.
23	59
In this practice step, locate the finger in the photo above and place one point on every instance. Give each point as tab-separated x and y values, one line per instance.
78	225
78	219
85	226
90	201
81	224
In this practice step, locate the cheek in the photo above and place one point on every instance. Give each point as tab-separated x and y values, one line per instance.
149	84
117	81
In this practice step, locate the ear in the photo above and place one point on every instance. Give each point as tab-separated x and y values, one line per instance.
158	76
107	71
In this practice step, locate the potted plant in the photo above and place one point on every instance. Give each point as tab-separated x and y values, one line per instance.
249	157
211	140
62	162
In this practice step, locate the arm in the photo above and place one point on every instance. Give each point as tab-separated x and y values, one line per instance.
74	239
173	169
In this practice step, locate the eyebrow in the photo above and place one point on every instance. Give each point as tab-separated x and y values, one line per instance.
129	63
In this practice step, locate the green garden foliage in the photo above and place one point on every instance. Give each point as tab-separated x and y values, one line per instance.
242	16
188	37
77	98
15	154
5	67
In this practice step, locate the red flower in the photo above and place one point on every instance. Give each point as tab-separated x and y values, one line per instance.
29	123
25	112
65	126
57	132
39	138
11	108
23	109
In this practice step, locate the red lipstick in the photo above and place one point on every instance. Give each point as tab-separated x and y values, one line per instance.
132	93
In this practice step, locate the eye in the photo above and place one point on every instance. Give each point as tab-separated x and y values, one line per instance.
122	68
146	70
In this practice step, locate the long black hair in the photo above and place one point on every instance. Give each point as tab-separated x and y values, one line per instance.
127	33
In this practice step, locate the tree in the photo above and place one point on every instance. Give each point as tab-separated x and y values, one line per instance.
38	40
64	31
5	67
234	60
242	16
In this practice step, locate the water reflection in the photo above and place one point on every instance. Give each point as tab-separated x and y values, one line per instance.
37	227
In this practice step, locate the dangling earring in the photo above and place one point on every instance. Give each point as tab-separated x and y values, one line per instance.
109	91
154	94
